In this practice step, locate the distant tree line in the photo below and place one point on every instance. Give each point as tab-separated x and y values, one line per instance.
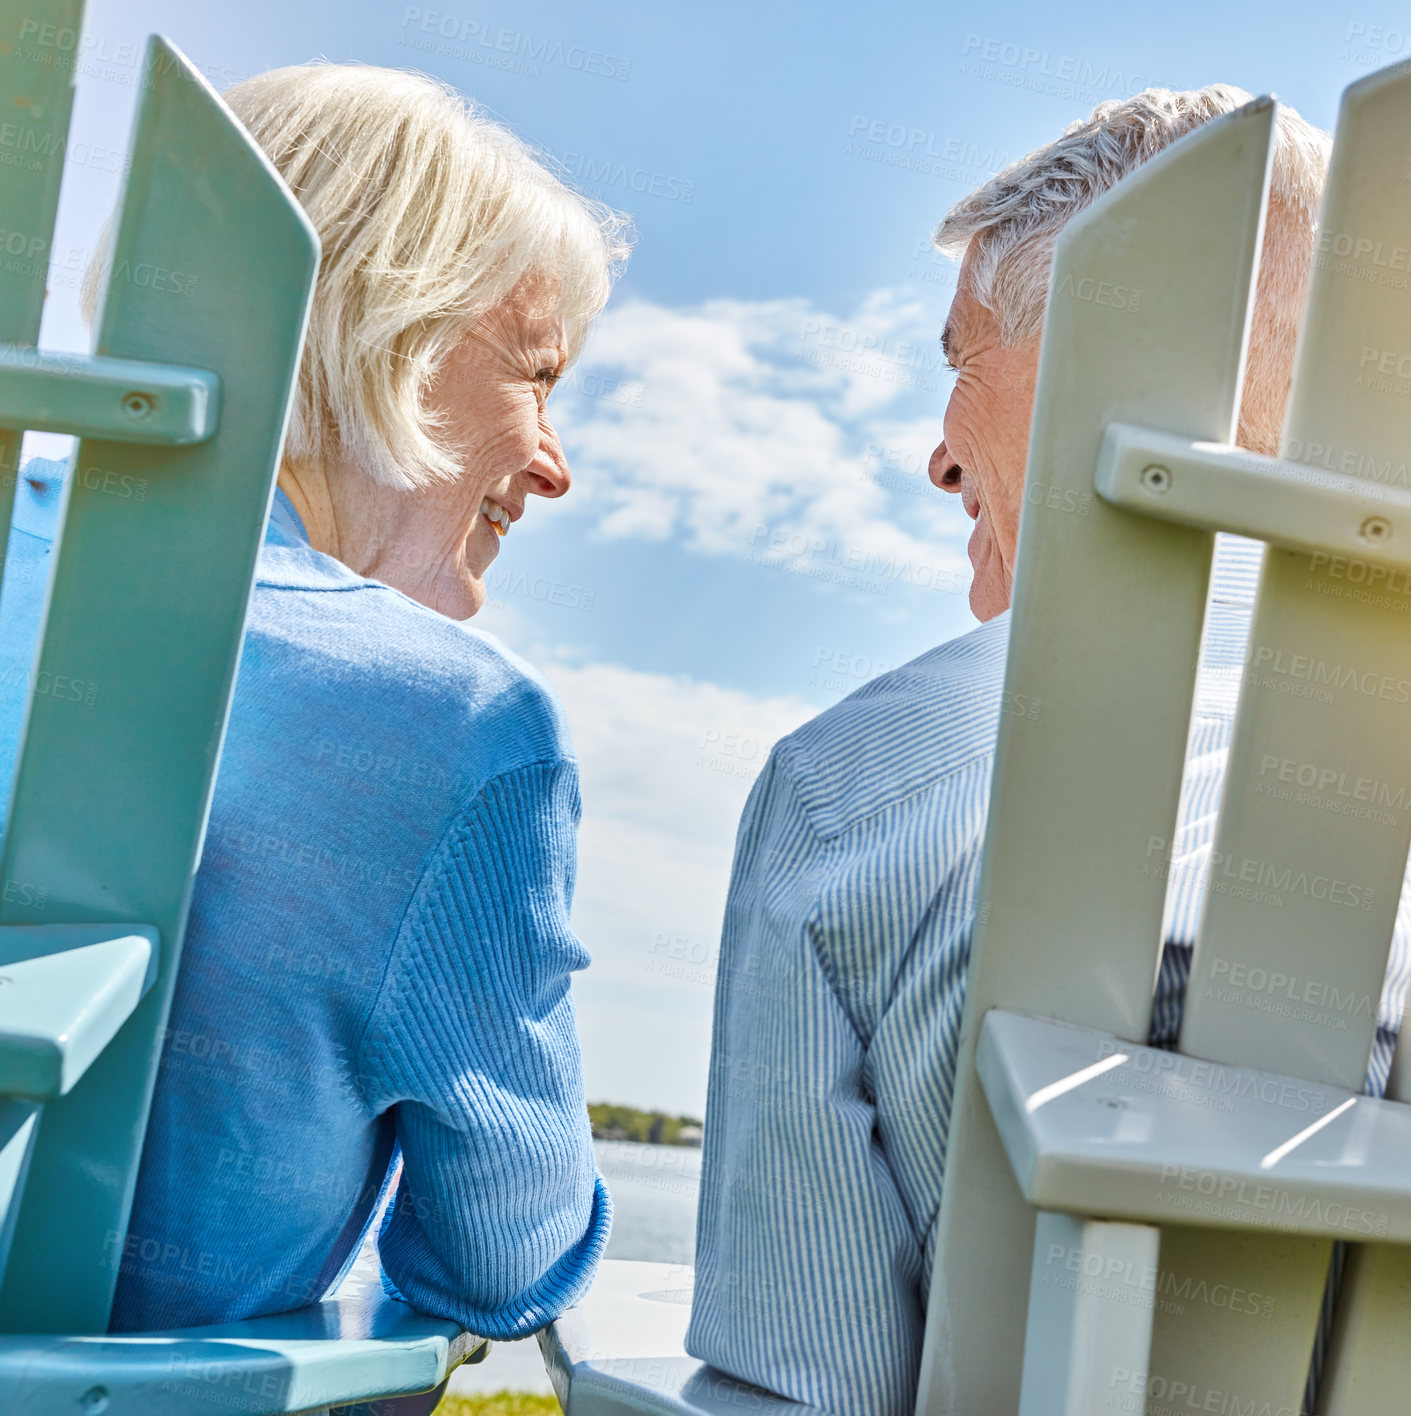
627	1123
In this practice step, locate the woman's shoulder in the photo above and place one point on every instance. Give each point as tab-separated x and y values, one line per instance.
387	669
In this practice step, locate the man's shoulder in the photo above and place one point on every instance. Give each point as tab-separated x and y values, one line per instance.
902	732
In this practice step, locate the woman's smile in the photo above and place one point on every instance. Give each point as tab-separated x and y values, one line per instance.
497	515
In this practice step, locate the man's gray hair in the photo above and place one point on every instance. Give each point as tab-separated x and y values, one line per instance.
1014	220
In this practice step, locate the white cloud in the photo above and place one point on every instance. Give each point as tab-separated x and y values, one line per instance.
667	763
747	427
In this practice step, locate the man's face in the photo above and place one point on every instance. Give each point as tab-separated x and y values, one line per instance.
986	443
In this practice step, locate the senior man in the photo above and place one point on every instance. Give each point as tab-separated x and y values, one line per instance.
846	938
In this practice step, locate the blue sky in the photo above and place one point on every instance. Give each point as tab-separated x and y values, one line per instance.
750	534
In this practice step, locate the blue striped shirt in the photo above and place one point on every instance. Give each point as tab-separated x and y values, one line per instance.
838	1004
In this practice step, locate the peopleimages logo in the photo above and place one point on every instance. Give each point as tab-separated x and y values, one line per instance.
1108	1276
1360	572
1387	361
1319	672
1232	1193
908	353
1272	983
1100	292
1223	870
1232	1082
1041	63
1134	1390
1286	880
608	172
1329	780
1346	461
471	39
1359	248
918	140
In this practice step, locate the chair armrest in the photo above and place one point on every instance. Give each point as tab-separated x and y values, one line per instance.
622	1350
358	1346
66	990
1097	1126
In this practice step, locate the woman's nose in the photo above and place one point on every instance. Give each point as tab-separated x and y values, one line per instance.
944	470
549	474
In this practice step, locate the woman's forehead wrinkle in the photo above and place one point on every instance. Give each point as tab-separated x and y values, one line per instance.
533	330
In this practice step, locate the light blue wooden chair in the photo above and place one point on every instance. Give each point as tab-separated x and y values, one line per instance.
181	415
1100	1214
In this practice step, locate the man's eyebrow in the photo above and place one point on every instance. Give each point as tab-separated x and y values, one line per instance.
948	340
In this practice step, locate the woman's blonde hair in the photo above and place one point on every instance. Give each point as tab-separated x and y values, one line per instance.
430	215
1014	220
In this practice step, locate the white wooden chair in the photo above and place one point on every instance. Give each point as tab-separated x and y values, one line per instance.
1096	1224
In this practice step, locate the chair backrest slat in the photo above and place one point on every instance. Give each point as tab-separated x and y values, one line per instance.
1310	849
146	615
37	78
1364	1373
1315	821
1107	617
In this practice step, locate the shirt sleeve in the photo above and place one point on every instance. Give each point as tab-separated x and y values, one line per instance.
500	1216
809	1255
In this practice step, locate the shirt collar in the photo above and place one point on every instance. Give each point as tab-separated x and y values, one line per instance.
286	527
289	562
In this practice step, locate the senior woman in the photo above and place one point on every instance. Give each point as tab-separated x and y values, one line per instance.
379	951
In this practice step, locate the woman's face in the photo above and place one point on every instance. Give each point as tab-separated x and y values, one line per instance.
490	398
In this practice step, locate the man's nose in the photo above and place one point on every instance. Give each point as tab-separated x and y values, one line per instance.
549	474
944	470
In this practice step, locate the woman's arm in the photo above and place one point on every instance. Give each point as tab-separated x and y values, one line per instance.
500	1216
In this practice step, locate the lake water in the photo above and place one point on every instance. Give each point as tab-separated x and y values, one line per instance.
654	1191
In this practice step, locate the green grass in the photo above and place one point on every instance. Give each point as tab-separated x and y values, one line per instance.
502	1403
